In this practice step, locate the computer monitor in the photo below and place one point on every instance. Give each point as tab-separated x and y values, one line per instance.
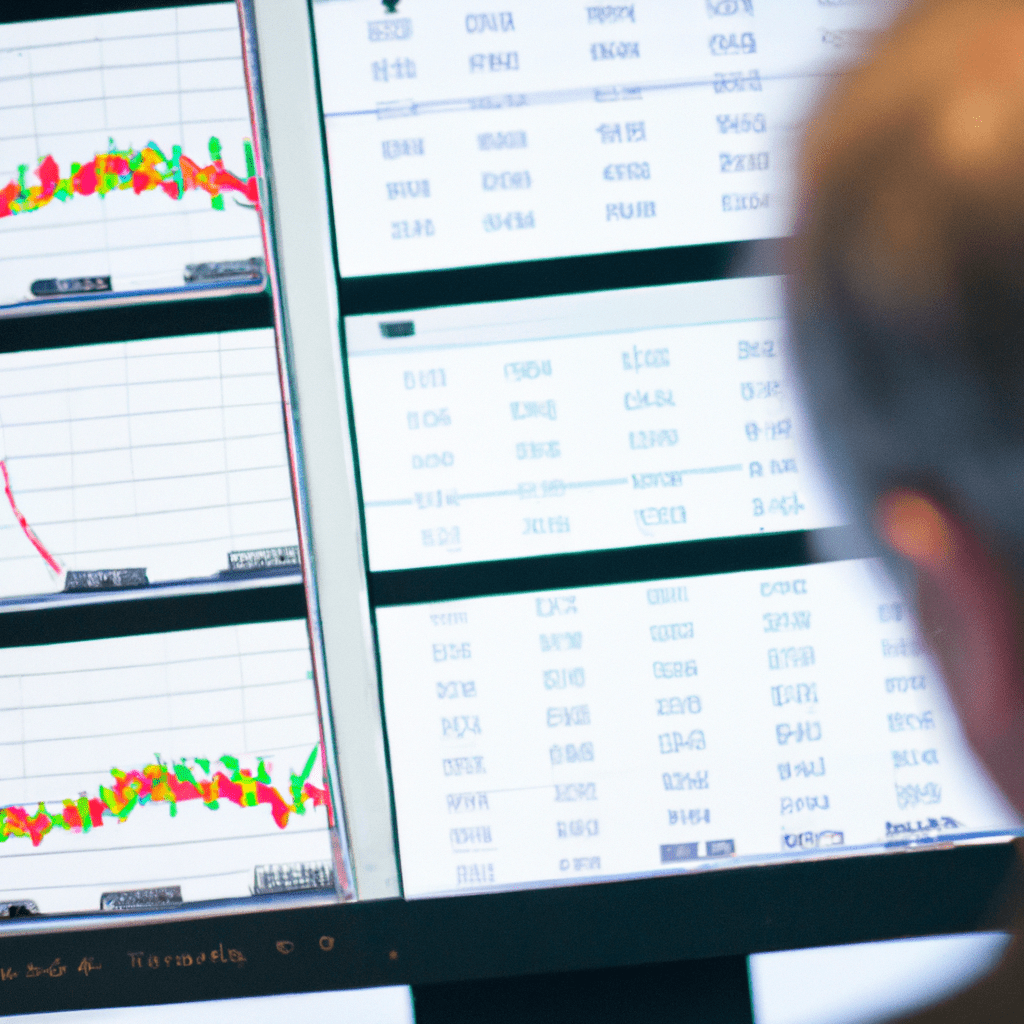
458	595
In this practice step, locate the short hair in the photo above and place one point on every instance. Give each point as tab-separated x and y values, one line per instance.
907	297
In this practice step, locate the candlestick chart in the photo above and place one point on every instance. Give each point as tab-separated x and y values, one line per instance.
169	784
130	170
125	159
183	758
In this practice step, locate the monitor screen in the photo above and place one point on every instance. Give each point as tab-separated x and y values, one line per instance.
649	709
161	742
571	423
621	627
126	159
673	724
145	771
475	137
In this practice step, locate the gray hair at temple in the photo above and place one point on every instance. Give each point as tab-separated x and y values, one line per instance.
907	297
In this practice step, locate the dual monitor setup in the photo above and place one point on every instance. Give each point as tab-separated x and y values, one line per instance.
415	564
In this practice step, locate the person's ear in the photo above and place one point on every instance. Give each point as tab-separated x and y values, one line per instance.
970	618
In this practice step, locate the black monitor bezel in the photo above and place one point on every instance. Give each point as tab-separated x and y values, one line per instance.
288	949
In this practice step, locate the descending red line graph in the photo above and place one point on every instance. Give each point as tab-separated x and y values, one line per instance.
23	523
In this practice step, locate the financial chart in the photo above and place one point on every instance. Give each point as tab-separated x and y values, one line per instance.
137	462
187	763
125	156
542	130
580	422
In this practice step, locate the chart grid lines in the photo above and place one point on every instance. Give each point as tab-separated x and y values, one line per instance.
69	100
162	728
191	695
143	451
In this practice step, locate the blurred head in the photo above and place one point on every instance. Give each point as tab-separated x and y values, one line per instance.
907	310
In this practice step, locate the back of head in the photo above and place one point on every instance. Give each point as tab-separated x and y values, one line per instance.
907	317
908	299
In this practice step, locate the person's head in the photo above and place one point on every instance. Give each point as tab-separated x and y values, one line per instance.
907	322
